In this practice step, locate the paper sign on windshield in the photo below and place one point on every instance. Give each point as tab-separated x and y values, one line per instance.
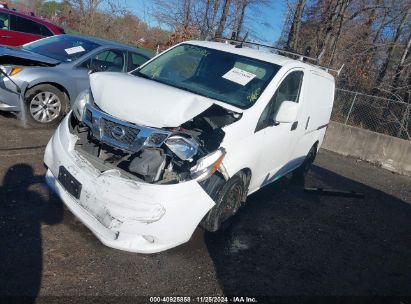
75	49
239	76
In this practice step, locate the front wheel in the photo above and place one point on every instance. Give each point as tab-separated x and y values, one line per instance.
45	105
228	198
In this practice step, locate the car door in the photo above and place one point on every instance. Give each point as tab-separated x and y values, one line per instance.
278	139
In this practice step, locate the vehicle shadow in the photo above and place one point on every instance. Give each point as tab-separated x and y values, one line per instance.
7	115
287	242
22	212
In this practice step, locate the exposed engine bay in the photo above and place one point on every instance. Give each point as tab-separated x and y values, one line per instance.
153	155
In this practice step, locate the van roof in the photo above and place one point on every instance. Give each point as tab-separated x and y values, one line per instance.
253	53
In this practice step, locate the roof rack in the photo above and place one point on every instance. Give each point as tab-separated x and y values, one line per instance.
299	56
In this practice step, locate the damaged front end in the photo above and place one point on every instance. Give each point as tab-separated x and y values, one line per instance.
153	155
136	187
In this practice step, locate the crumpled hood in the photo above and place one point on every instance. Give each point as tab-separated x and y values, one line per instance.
8	53
143	101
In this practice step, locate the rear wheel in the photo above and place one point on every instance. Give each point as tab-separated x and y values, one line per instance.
228	198
45	105
308	161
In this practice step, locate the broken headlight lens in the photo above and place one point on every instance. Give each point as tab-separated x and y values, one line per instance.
15	71
79	105
184	148
155	139
207	165
11	71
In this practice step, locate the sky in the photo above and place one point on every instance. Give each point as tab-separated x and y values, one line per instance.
265	23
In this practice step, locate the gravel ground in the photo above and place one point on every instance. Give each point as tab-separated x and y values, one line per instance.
284	242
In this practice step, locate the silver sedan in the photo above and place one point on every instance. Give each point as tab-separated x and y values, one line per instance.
40	80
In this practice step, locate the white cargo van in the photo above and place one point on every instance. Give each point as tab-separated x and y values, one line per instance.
146	157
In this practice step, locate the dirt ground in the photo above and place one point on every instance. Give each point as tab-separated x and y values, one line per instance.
284	242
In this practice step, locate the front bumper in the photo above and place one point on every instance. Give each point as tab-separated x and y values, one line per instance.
123	213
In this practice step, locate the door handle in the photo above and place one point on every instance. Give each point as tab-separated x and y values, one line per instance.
294	125
308	121
6	36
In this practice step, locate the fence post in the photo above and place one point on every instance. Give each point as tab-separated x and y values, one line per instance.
349	111
403	122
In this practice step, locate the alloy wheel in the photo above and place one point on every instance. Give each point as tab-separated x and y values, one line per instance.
45	107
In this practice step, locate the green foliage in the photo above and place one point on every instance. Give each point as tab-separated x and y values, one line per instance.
50	8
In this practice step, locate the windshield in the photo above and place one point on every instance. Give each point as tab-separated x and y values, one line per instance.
61	47
224	76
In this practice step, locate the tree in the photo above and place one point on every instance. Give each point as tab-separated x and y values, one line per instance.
49	9
391	46
401	65
370	37
223	19
241	7
292	40
205	26
332	27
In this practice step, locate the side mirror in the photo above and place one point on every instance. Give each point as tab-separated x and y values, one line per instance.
287	112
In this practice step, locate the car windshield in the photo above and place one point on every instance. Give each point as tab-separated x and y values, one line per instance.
61	47
227	77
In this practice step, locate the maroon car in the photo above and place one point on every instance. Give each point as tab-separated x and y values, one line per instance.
17	28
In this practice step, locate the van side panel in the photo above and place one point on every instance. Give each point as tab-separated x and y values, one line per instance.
320	98
318	102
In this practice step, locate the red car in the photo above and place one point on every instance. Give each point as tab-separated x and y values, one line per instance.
17	29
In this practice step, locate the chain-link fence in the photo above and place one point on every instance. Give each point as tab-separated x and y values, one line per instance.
378	114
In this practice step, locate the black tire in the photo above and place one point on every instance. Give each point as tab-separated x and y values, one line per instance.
228	197
307	163
44	98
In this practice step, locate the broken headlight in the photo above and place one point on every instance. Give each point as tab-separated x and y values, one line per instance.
184	148
10	71
79	105
155	139
207	165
